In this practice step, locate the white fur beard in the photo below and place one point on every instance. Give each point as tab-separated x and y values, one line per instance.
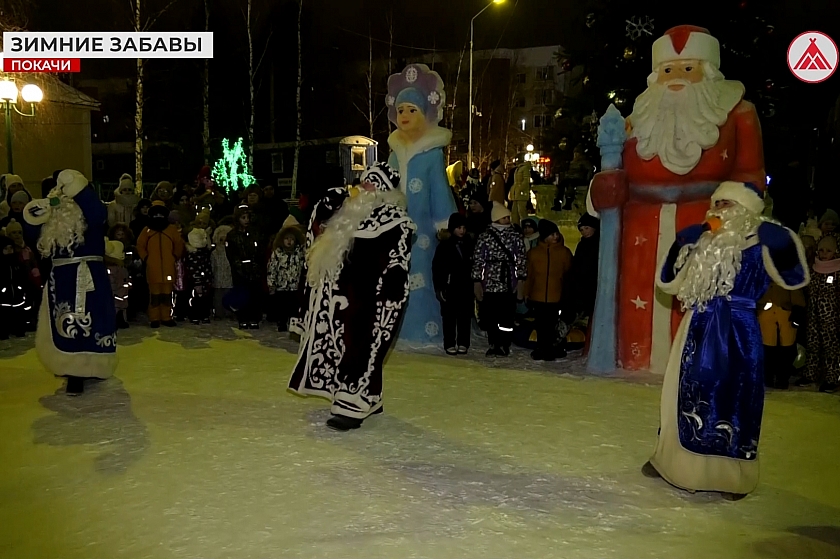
64	230
326	256
715	261
678	125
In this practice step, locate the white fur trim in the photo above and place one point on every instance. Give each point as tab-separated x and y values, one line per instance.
738	192
62	364
42	210
660	347
680	467
700	46
436	137
672	287
590	209
71	182
773	272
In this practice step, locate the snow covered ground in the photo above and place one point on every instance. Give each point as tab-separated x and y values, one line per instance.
196	450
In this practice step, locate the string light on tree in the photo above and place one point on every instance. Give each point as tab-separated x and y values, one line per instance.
231	171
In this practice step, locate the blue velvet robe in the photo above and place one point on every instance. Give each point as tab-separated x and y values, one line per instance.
721	378
82	322
422	168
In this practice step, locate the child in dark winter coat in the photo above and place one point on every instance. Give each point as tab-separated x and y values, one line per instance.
13	299
199	276
247	268
452	275
119	278
284	270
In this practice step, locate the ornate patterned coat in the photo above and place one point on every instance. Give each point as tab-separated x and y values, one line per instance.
350	323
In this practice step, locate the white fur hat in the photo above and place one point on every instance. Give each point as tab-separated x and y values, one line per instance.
126	180
198	238
499	212
745	194
72	182
12	179
686	42
114	249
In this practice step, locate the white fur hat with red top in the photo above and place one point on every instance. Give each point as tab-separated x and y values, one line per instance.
686	42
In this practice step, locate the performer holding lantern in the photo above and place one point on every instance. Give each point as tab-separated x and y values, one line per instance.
415	104
689	131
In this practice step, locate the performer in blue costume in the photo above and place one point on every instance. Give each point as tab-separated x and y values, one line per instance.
76	336
713	392
415	105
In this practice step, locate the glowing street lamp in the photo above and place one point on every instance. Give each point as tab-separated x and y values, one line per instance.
30	93
530	147
472	34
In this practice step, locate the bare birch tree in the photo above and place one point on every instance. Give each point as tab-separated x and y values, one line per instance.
297	100
252	74
250	87
390	20
368	114
370	82
138	113
139	131
455	103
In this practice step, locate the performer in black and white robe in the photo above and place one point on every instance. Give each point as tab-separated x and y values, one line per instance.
356	289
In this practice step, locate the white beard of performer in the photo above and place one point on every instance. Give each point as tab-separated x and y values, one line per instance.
678	125
714	262
325	258
65	227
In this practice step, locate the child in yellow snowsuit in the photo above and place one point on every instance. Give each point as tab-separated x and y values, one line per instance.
779	315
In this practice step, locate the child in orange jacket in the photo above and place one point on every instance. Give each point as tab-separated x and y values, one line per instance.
160	246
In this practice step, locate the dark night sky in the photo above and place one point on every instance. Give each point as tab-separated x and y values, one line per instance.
336	36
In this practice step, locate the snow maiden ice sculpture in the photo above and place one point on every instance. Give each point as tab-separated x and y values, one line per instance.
415	105
689	131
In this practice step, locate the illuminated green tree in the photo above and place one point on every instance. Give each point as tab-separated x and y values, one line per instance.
231	172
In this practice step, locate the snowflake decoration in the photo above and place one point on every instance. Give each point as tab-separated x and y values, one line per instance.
415	185
434	97
638	25
390	100
423	241
411	75
432	329
416	281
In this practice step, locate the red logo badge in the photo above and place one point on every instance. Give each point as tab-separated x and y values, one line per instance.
812	57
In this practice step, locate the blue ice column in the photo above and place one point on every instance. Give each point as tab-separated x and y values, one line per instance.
604	343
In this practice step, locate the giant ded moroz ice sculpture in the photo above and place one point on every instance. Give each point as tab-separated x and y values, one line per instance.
416	98
688	132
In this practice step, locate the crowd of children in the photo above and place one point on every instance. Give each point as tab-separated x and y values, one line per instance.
190	253
167	257
808	318
521	275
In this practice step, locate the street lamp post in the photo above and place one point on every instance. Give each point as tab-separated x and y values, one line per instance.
472	35
9	93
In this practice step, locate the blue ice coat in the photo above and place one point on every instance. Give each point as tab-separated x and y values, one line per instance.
423	179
